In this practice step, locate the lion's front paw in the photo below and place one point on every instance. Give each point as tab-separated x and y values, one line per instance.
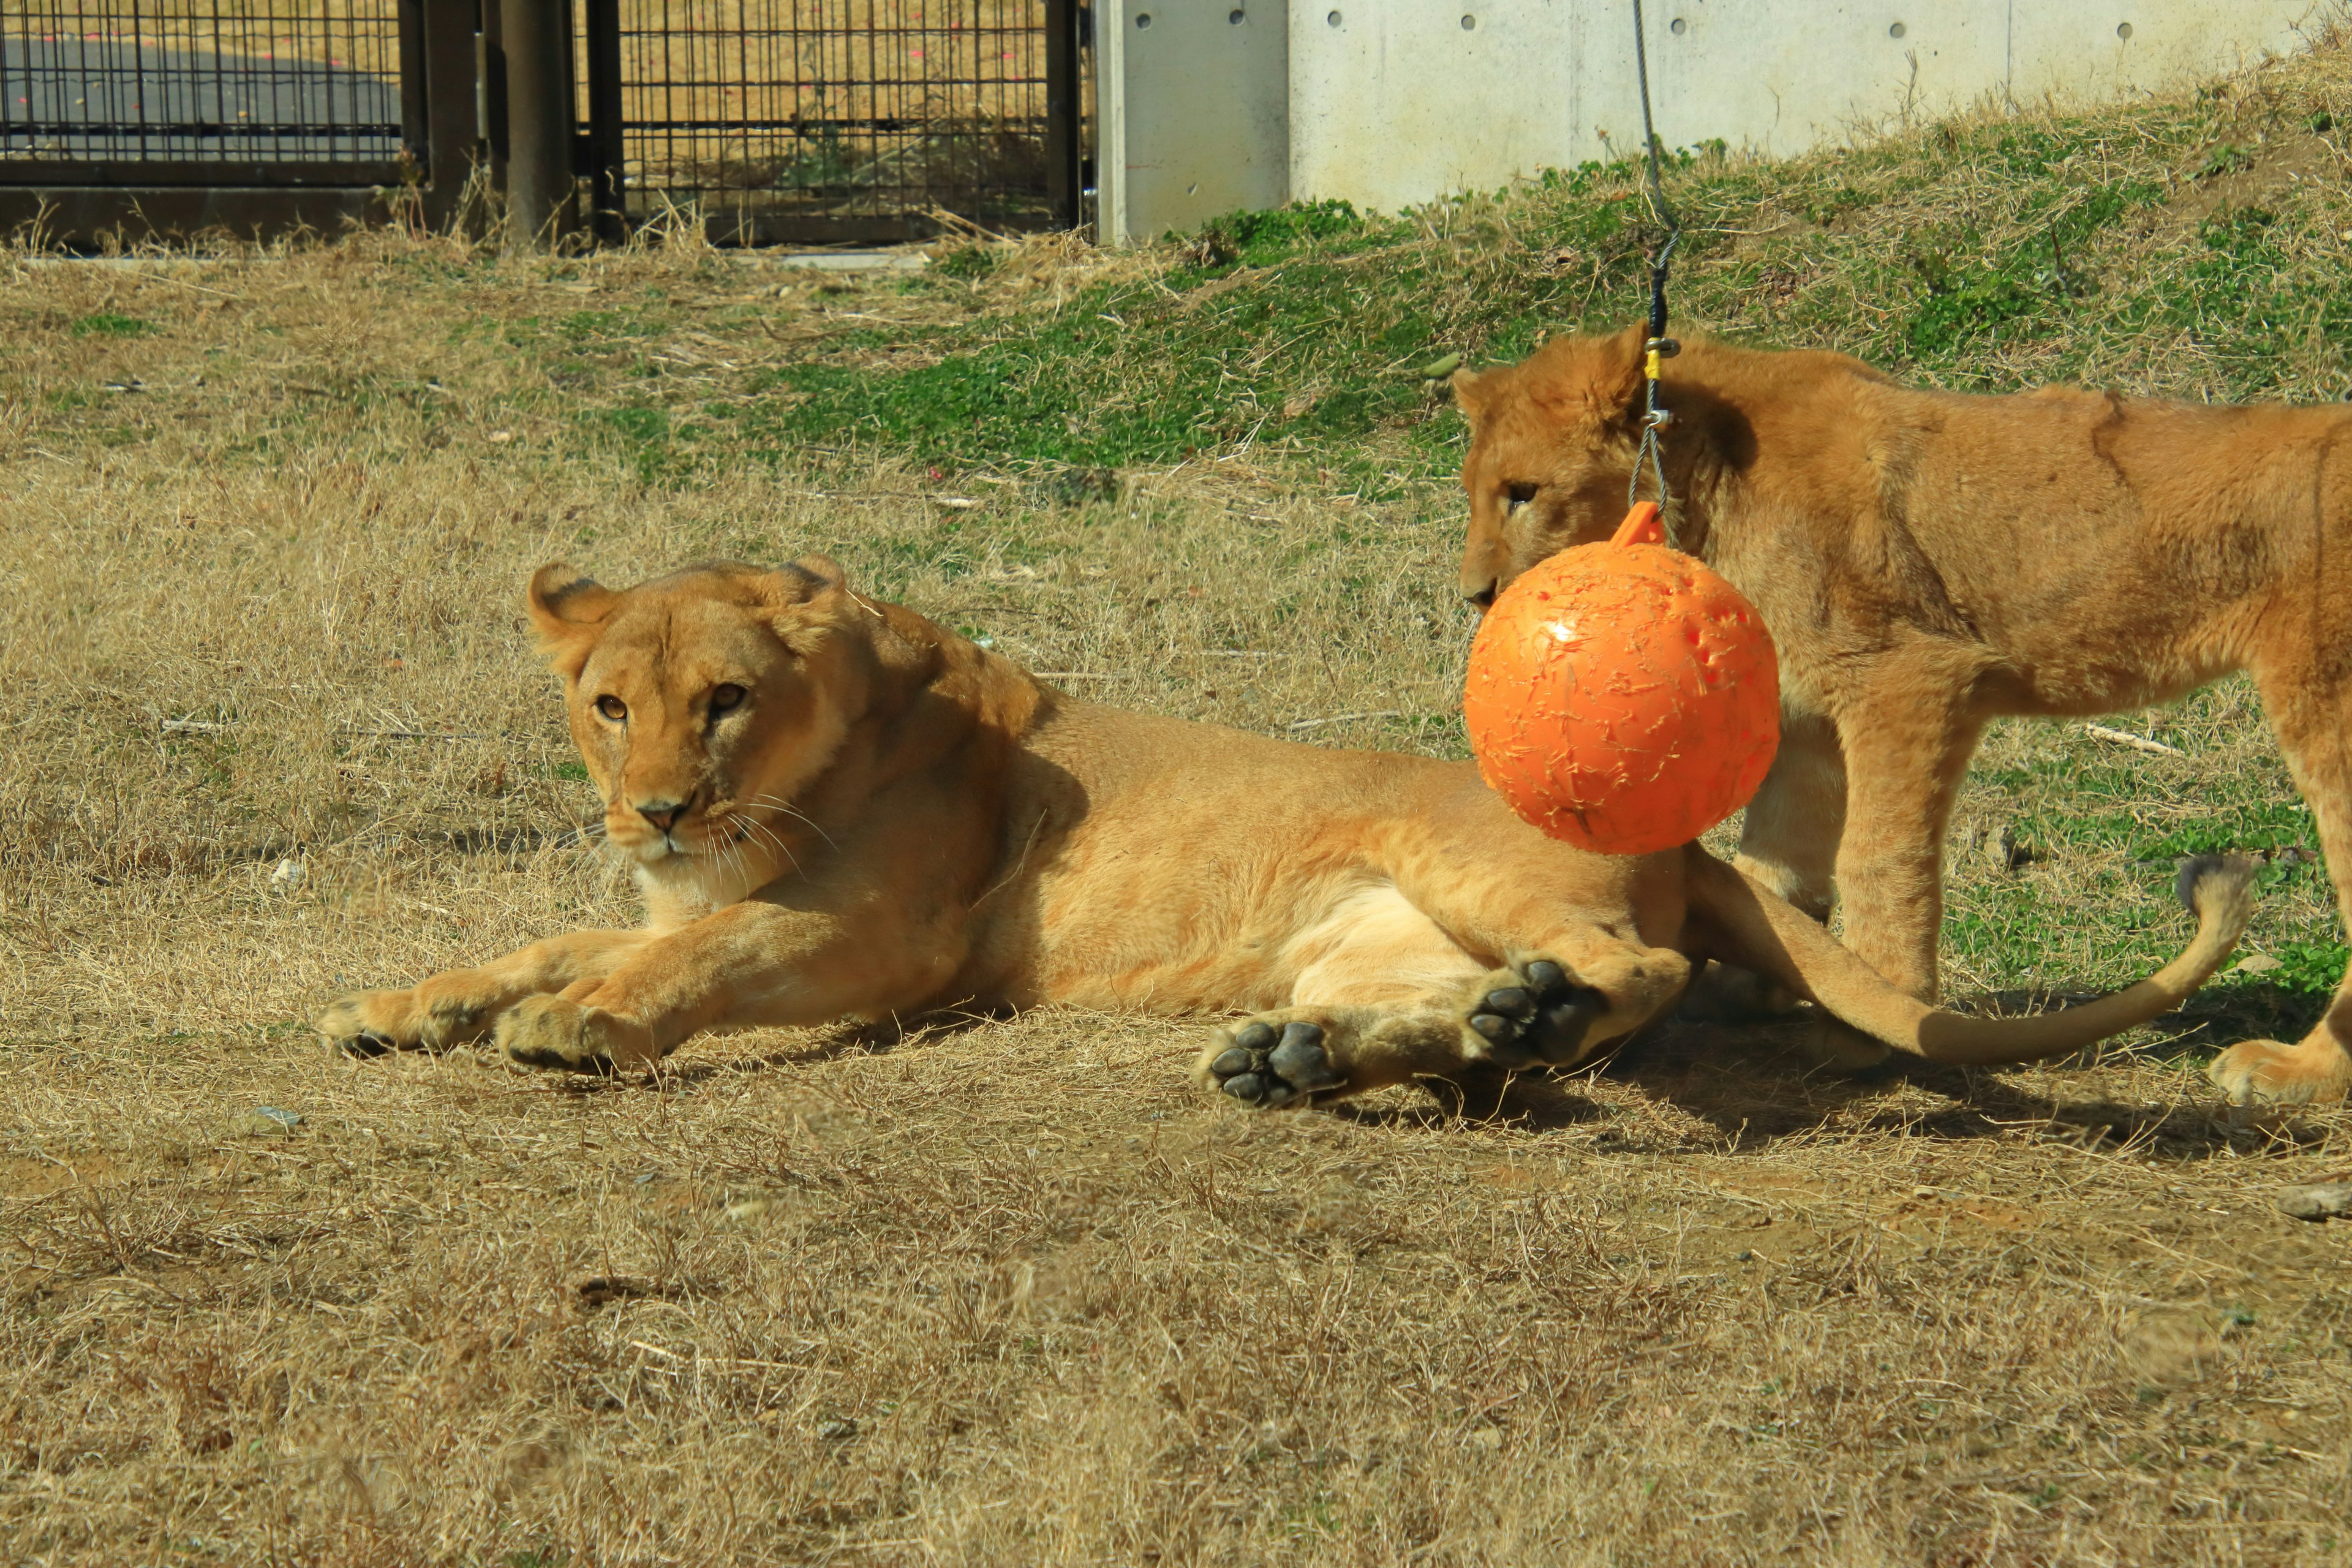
2270	1072
1275	1062
371	1022
549	1032
1533	1011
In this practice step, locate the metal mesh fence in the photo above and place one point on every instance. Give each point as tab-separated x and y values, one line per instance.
194	81
768	114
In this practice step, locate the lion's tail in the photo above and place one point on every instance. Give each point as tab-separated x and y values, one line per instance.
1769	936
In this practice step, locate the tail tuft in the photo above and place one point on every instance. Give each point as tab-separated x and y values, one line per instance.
2217	886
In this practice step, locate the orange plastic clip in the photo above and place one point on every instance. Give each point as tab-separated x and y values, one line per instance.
1641	526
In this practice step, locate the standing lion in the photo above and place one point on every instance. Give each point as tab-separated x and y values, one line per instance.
1929	562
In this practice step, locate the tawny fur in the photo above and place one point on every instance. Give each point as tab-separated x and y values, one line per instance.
835	808
1927	562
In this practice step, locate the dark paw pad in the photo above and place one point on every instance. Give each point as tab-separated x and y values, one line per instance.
1261	1068
367	1044
1543	1018
556	1061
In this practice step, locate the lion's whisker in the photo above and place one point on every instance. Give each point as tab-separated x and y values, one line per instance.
773	837
780	804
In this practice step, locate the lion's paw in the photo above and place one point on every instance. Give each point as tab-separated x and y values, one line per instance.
565	1035
1532	1012
2271	1072
1724	994
1830	1045
372	1022
1272	1062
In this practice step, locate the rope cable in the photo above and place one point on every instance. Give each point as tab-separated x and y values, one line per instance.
1657	346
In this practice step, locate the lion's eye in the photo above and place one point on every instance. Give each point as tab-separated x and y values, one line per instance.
1519	496
726	699
613	708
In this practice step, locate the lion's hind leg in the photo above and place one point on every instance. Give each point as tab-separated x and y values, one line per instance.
1293	1056
1385	993
1529	1015
1383	996
1369	982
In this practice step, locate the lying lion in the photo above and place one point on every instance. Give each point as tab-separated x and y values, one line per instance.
1927	562
837	808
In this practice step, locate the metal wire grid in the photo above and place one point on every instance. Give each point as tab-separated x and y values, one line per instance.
838	109
174	80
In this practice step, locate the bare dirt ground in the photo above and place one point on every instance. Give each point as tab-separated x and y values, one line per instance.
1008	1291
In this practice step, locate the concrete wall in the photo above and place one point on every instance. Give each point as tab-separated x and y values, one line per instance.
1394	102
1386	103
1194	96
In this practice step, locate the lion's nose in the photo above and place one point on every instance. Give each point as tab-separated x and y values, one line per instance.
661	813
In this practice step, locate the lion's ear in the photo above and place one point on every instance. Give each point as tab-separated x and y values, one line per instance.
1471	394
802	600
804	582
1589	378
822	571
566	608
1618	374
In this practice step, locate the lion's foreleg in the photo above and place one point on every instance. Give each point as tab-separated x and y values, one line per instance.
1910	752
1790	839
463	1004
747	965
1789	842
2307	691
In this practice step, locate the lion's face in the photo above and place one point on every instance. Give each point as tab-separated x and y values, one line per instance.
701	702
1553	447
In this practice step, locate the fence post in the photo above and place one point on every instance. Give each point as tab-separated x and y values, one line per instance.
608	201
1064	183
490	92
538	121
415	135
446	33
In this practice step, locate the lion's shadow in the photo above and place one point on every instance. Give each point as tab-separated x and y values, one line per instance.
1748	1083
845	1039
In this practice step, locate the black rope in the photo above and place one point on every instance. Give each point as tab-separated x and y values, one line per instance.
1660	260
1659	346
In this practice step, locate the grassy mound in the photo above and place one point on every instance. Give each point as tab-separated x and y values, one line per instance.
2193	247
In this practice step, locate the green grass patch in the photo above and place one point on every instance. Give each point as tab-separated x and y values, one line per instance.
967	264
2311	969
114	325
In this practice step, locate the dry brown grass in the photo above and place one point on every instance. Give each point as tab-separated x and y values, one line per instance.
1011	1292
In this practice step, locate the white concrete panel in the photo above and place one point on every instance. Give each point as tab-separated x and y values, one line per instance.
1394	102
1780	77
1390	103
2084	51
1193	98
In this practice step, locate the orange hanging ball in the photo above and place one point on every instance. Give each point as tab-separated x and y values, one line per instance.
1622	696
